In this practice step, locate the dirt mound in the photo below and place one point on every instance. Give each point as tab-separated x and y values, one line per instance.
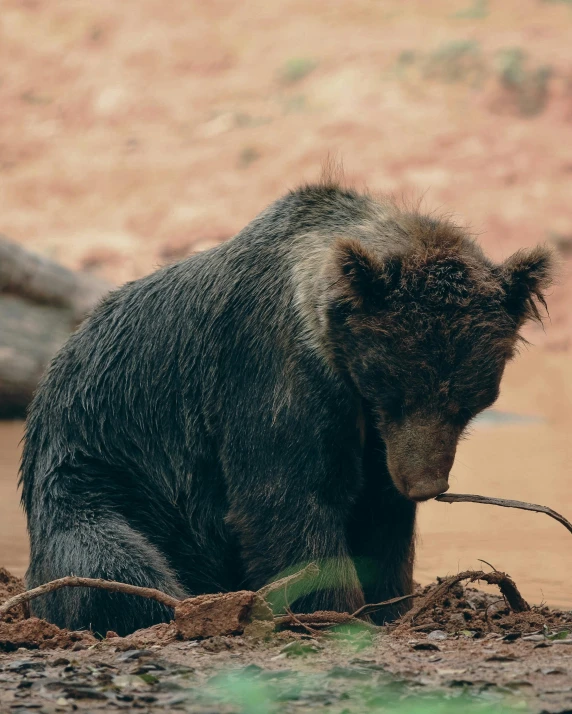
10	585
34	633
161	634
469	610
18	629
447	606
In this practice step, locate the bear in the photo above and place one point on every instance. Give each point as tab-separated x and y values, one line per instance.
289	396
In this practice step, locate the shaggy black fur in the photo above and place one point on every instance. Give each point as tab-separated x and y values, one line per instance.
283	398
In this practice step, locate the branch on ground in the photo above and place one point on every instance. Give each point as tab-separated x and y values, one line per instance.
374	607
71	581
321	620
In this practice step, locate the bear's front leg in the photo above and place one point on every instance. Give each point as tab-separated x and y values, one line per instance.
292	480
283	532
381	535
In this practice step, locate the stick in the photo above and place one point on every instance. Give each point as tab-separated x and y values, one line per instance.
322	618
315	618
310	570
71	581
366	609
505	503
507	586
293	616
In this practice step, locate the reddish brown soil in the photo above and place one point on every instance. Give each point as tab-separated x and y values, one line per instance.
479	613
39	634
10	585
19	630
467	641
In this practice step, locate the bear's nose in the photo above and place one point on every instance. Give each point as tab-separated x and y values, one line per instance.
424	490
419	456
432	479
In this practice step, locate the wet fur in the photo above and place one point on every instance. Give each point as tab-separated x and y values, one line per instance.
225	419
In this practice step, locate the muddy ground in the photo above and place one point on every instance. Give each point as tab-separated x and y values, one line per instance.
466	653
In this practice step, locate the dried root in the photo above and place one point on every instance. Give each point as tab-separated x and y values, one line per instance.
505	584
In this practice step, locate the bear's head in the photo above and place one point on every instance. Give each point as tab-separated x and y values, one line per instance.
424	334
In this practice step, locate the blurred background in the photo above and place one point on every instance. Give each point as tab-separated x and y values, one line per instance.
133	134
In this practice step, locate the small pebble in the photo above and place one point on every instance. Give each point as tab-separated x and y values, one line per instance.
437	635
458	620
300	648
23	665
425	646
60	662
133	654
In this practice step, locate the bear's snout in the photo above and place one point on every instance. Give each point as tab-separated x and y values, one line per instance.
420	485
425	490
419	459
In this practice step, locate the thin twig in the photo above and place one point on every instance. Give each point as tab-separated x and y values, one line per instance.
507	586
71	581
367	609
323	619
486	562
505	503
309	629
315	618
294	620
432	596
310	570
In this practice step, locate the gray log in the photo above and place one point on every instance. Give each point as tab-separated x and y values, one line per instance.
41	303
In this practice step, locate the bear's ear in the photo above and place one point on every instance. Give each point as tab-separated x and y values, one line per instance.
526	276
363	278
